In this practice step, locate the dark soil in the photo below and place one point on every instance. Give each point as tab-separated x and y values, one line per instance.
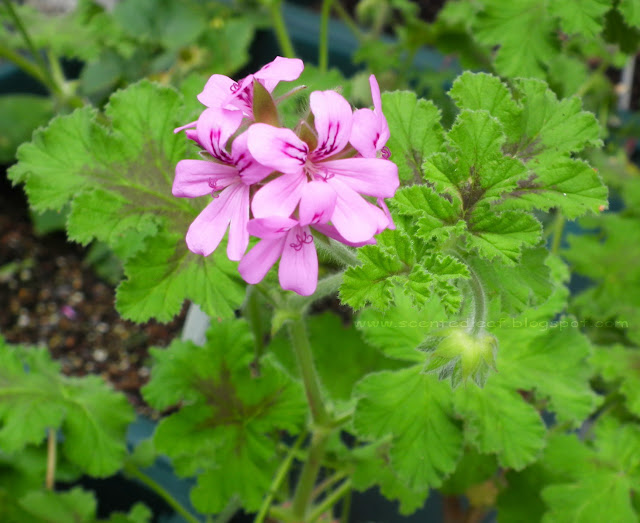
50	296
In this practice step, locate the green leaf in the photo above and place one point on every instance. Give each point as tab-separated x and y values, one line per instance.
399	331
372	468
93	418
227	46
224	431
53	507
523	30
599	481
20	115
584	17
502	235
608	307
549	127
621	365
485	92
398	260
517	287
372	281
415	130
630	9
165	273
498	421
414	409
118	180
571	185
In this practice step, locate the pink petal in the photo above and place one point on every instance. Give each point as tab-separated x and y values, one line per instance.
215	126
257	262
248	168
277	148
298	269
186	126
271	227
333	120
280	70
216	91
353	216
238	233
317	202
382	221
383	127
279	197
370	176
365	133
199	177
207	230
385	209
331	232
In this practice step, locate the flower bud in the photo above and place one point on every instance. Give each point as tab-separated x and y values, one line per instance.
459	354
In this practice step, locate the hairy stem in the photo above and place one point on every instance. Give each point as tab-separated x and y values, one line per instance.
25	35
558	228
51	459
279	478
341	253
478	314
323	49
27	66
135	472
321	418
330	501
348	21
284	41
304	356
309	475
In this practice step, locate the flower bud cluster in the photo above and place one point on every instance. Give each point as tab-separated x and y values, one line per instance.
330	175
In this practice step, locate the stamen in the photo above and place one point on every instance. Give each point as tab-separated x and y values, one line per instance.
234	87
386	153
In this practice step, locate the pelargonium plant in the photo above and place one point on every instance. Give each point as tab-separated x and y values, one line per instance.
457	367
316	177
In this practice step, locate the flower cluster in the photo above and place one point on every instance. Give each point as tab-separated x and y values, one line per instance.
330	176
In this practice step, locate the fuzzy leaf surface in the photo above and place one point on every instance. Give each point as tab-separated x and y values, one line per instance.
414	409
117	173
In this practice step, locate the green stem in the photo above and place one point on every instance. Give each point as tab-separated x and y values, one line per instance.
330	501
251	311
280	28
323	50
346	507
309	475
281	474
327	286
229	511
341	253
135	472
479	307
558	227
25	35
304	356
328	483
50	479
348	21
26	65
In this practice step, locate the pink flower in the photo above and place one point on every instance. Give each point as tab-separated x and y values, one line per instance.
222	92
292	242
326	186
227	177
370	129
